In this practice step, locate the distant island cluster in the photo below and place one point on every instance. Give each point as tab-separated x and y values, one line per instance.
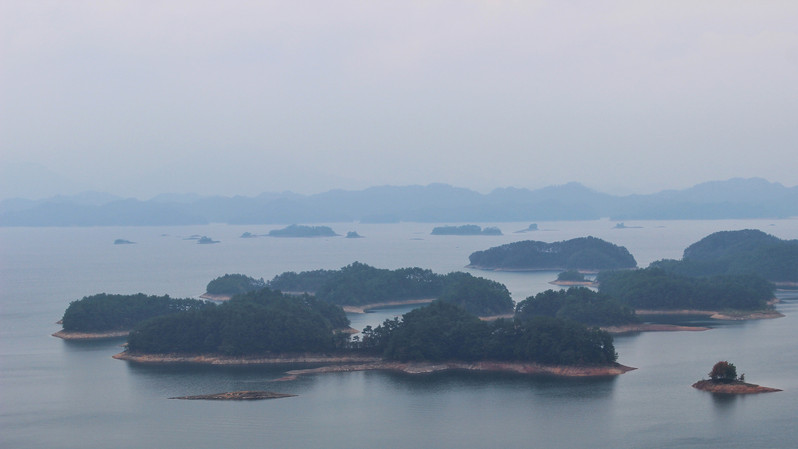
463	320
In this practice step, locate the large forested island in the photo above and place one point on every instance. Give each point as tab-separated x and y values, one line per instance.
579	304
269	327
104	315
746	251
362	286
584	253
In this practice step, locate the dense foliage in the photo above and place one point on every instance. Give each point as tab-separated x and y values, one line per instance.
233	284
723	372
466	230
587	253
303	231
578	304
262	321
443	331
104	312
571	276
479	296
361	284
738	252
655	288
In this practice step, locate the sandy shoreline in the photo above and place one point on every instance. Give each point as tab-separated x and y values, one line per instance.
717	315
66	335
213	297
366	363
651	327
366	307
574	283
731	388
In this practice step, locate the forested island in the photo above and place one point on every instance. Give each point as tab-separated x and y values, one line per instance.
360	285
584	253
723	379
224	287
269	327
572	277
466	230
303	231
747	251
579	304
104	315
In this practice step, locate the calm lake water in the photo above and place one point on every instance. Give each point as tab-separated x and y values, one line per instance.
57	394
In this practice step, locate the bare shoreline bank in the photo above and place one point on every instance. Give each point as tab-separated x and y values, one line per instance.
651	327
67	335
366	363
717	315
366	307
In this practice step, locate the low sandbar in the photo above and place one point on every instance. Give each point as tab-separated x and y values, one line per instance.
237	396
735	387
366	307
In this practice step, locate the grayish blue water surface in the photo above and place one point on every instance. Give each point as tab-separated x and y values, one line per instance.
62	394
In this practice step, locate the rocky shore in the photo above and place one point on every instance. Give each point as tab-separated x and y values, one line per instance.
238	396
736	387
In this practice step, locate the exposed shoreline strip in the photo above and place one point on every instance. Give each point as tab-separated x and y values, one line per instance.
365	363
717	315
67	335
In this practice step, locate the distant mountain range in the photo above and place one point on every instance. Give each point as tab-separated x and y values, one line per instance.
438	203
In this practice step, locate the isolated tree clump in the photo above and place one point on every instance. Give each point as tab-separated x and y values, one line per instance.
723	372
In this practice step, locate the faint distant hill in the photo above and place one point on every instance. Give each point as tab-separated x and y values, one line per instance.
439	203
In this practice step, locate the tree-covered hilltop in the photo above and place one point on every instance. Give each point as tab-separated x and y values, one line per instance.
233	284
303	231
585	253
258	322
359	284
657	289
746	251
578	304
480	296
466	230
443	331
104	312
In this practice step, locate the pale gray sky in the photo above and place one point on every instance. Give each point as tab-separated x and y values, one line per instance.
240	97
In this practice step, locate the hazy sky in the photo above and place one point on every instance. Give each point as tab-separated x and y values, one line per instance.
240	97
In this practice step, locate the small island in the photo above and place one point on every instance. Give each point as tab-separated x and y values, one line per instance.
303	231
238	396
123	242
466	230
225	287
353	235
723	380
621	225
530	228
206	241
573	277
588	254
248	235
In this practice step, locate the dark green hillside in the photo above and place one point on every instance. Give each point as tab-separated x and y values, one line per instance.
442	331
738	252
586	253
359	284
654	288
579	304
233	284
258	322
104	312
